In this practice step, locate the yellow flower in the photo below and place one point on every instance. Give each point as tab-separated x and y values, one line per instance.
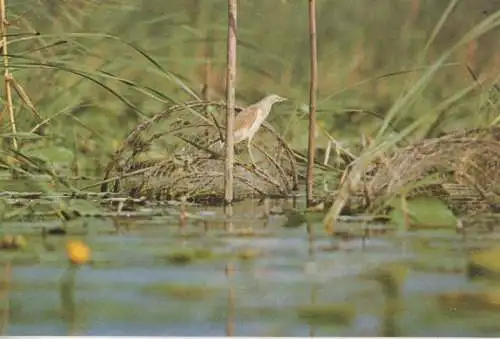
77	251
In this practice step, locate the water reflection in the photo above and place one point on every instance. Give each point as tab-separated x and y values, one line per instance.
313	285
5	299
69	307
229	271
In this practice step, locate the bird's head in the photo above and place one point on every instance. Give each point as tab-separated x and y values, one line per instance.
268	102
274	98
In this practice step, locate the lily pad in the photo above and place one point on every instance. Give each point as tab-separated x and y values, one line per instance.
391	278
327	314
295	219
179	291
470	301
185	256
484	263
422	212
248	253
13	242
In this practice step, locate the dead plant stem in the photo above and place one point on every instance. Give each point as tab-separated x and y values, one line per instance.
312	102
230	98
7	76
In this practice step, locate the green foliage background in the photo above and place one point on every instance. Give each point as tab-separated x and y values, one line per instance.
103	79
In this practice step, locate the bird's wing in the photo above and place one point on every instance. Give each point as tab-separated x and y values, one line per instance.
246	117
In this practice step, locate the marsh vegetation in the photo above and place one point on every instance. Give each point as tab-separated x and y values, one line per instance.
111	116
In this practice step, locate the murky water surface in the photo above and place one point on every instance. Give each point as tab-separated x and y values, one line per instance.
151	276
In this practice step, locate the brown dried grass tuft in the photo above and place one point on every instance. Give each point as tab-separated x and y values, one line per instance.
466	165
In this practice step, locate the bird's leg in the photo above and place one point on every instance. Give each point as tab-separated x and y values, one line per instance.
249	146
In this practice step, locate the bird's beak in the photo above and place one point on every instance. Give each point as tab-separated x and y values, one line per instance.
283	99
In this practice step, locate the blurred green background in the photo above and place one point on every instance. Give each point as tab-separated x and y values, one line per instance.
95	87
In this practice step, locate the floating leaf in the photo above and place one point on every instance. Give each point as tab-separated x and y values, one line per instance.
423	212
248	253
179	291
299	218
183	256
485	263
13	242
470	301
327	314
391	278
294	219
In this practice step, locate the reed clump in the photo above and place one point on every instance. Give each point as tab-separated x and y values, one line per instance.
462	168
179	153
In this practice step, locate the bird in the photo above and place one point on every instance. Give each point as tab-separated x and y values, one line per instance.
248	121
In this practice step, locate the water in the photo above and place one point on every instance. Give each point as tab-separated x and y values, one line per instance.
276	282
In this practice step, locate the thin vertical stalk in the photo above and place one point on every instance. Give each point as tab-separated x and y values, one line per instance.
207	72
7	76
312	102
208	47
415	11
230	98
